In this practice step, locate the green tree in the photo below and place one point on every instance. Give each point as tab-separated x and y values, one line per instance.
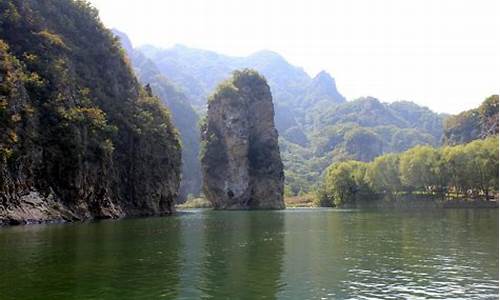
456	160
422	168
383	175
342	182
482	165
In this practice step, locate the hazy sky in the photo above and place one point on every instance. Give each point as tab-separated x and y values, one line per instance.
444	54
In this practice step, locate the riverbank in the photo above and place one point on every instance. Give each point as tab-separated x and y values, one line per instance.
31	214
195	203
263	254
420	201
307	200
290	202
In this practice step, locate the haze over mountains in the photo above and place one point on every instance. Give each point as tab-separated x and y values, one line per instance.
316	124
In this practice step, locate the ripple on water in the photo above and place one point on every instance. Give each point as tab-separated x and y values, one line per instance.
291	254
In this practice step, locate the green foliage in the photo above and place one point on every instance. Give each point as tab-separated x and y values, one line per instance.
312	117
342	182
362	130
225	89
469	170
52	38
383	174
473	124
76	115
422	167
195	203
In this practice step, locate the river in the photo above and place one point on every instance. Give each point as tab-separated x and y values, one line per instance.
290	254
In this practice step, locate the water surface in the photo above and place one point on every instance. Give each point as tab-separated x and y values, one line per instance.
291	254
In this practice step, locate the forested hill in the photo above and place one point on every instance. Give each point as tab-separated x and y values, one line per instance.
79	137
315	122
183	115
361	130
473	124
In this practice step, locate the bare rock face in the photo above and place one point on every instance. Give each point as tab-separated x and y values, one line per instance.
241	163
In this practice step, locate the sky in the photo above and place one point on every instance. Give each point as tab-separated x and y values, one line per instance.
444	54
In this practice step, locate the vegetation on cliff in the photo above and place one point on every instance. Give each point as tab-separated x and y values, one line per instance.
241	162
184	117
80	138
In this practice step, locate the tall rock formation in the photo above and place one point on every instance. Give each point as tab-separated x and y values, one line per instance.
241	163
79	137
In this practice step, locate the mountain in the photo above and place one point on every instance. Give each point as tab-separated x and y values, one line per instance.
361	130
322	90
316	124
183	116
473	124
80	138
199	71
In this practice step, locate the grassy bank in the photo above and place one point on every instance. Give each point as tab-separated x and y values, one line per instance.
195	203
300	201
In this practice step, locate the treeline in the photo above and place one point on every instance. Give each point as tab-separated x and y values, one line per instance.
463	171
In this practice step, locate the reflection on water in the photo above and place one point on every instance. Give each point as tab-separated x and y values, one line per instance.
440	255
292	254
245	252
105	260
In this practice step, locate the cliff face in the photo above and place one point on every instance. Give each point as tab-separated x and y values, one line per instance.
79	137
241	163
184	117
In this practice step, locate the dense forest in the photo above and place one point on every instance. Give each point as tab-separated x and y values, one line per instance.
462	171
79	136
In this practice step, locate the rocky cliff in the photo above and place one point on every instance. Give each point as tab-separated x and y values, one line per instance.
184	117
79	137
241	163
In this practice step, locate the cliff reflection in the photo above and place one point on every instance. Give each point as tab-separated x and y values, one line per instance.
244	253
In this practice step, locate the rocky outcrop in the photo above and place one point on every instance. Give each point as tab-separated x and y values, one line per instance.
241	163
79	137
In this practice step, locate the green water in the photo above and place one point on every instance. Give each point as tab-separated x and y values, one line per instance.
291	254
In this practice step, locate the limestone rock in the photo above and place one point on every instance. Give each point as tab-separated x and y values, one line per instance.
241	163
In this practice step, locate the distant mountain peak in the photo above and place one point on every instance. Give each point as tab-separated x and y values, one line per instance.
323	74
324	78
323	87
268	55
266	52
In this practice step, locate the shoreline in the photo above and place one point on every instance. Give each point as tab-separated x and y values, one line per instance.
418	203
